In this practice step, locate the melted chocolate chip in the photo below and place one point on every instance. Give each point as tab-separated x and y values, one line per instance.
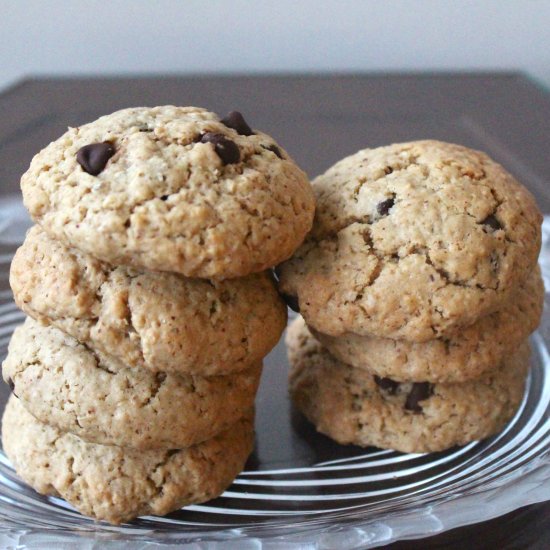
164	197
291	302
274	149
93	157
387	384
419	392
384	207
236	121
492	222
226	149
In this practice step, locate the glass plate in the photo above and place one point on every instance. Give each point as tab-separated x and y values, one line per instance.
299	489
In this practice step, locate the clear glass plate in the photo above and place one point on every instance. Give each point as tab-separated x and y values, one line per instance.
299	489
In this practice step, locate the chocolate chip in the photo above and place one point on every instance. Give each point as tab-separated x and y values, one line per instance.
236	121
94	157
419	392
164	197
492	222
225	297
274	149
387	384
384	207
291	302
226	149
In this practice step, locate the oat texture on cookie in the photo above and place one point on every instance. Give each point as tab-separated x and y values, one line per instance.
458	357
151	307
351	405
418	286
105	401
117	484
161	321
412	241
171	189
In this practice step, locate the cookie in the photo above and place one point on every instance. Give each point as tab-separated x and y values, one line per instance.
66	384
171	189
161	321
350	405
461	356
115	484
412	241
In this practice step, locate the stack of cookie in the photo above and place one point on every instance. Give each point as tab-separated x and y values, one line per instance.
150	307
419	284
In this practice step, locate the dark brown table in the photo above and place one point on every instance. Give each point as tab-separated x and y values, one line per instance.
320	119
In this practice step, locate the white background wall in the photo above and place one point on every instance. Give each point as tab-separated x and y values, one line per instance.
144	36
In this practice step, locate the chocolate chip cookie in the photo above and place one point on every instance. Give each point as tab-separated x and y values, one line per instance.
351	405
161	321
171	189
67	385
115	484
412	241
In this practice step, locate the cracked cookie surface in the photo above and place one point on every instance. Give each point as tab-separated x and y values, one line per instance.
116	484
65	384
168	196
350	406
463	355
161	321
412	241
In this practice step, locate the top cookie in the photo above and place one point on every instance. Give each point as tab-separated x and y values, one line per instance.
171	189
411	241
